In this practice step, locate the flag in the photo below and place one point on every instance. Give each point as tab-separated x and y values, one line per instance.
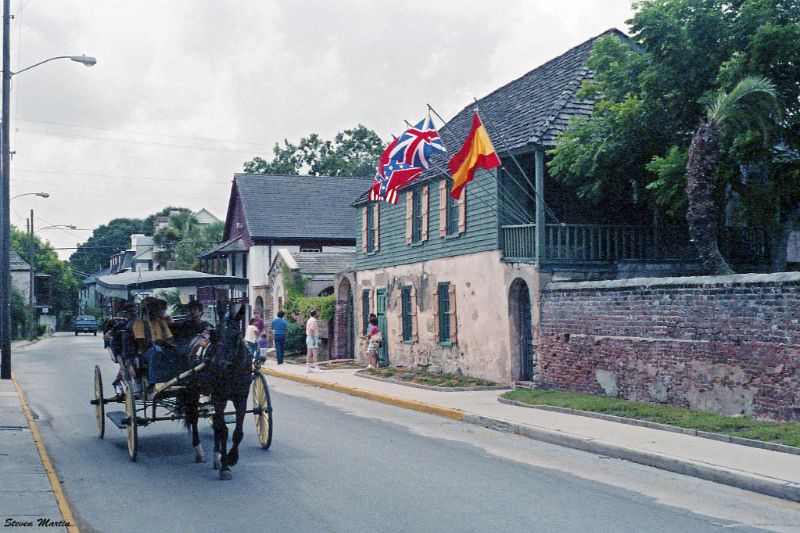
417	144
477	152
391	175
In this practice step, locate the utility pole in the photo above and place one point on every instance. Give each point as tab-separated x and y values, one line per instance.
32	282
5	208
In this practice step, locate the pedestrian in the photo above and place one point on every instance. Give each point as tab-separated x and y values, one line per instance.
259	324
263	345
279	327
312	342
373	339
251	338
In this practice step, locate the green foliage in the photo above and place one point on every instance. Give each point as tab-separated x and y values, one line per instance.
295	342
654	91
19	313
106	240
198	239
353	152
45	260
298	306
740	426
96	312
670	185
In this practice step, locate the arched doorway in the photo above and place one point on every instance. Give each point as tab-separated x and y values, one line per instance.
519	302
259	307
345	325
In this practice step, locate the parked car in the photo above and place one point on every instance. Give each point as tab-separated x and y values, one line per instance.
85	324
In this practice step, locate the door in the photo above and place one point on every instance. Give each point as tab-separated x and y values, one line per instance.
525	335
380	306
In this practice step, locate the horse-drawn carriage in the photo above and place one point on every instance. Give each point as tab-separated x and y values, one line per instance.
209	367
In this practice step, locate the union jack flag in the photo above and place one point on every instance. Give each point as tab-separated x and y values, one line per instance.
417	144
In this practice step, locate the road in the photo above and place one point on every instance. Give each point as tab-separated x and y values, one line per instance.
339	463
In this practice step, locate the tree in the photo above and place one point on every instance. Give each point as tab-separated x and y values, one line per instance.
751	103
106	240
198	239
652	91
165	238
46	261
353	152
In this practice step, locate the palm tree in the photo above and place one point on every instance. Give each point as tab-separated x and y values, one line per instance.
751	104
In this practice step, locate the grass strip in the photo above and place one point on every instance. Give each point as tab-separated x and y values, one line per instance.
430	379
787	433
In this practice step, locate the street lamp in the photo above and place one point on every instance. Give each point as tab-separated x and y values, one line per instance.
42	194
5	201
32	277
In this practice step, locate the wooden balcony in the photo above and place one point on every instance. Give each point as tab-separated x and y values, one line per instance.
605	243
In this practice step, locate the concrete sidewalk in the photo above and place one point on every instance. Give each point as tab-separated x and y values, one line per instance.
768	472
30	494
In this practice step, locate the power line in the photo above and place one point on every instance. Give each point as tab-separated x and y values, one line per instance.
116	176
131	141
151	134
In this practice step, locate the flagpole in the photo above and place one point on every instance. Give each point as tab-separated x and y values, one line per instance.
516	162
512	202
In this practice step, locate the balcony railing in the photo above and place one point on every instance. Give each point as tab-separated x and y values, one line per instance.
609	242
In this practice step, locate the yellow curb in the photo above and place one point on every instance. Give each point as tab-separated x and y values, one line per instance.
61	499
445	412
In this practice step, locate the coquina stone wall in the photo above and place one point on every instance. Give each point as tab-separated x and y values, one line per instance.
726	344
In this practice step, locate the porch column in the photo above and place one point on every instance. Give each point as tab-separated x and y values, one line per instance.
540	218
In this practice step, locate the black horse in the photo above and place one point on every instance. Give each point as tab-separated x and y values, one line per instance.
227	375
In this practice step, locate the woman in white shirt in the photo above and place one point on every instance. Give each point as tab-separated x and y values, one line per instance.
251	337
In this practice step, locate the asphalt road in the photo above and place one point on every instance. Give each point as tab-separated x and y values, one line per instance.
340	463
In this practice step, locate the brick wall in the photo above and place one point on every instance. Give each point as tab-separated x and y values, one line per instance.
728	344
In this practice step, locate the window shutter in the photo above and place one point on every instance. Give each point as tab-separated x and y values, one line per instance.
435	306
453	314
373	301
409	213
414	333
377	230
442	208
425	213
462	211
364	229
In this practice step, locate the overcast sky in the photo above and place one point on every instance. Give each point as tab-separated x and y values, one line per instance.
185	91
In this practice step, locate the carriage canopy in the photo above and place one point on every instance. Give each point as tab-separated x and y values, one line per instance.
121	285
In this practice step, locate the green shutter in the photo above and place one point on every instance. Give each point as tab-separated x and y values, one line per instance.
365	311
444	312
405	293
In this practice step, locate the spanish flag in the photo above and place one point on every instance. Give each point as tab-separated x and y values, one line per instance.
477	152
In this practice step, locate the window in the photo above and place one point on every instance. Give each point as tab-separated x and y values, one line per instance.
365	311
416	216
370	229
452	215
405	296
310	249
444	312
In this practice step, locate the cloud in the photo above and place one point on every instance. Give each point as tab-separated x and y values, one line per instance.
185	91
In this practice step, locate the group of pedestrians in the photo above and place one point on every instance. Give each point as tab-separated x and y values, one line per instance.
257	341
255	337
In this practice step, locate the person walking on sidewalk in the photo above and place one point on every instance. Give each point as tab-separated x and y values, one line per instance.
251	338
312	342
373	338
279	326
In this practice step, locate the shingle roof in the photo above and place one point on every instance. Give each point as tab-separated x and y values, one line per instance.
324	262
527	112
232	245
16	262
307	207
92	278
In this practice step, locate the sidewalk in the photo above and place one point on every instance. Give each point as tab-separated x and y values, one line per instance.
754	469
27	498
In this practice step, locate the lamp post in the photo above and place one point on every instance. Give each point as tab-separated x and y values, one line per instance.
5	201
32	273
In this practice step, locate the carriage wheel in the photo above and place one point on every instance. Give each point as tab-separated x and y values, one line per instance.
99	406
263	410
130	414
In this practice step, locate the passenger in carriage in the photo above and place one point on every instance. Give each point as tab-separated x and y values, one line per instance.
122	344
192	332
